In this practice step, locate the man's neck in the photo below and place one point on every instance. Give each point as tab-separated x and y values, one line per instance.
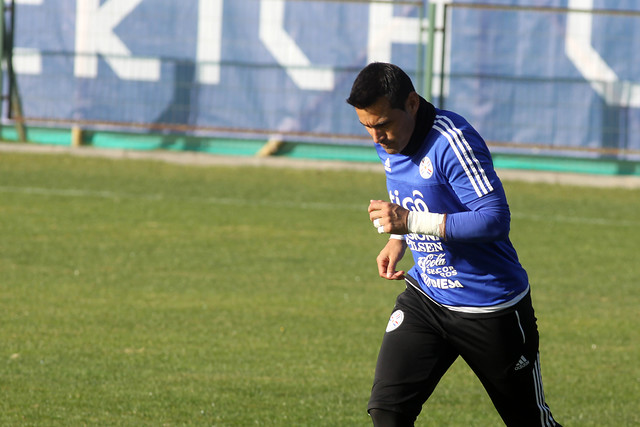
425	116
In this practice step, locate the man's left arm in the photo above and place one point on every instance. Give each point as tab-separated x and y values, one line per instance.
488	220
468	166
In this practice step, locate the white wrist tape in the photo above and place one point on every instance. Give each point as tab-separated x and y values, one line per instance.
397	236
424	223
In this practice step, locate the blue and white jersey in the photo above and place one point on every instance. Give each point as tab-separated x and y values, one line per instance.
449	170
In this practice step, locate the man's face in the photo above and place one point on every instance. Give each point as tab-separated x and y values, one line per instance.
391	128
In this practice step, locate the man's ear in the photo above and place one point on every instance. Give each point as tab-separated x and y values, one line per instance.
413	103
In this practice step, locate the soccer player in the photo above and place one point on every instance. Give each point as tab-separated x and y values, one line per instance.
467	294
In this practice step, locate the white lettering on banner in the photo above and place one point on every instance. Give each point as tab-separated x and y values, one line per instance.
27	61
209	48
94	35
386	29
96	21
588	61
287	53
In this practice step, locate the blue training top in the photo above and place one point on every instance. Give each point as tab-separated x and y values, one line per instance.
447	168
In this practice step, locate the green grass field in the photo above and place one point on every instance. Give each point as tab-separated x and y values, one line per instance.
143	293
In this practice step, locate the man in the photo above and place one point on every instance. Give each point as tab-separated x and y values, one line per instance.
467	294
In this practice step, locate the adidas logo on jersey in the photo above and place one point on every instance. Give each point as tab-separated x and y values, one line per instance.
387	165
522	363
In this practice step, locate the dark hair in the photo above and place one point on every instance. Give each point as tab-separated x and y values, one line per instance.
380	79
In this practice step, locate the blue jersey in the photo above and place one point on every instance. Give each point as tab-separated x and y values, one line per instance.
447	168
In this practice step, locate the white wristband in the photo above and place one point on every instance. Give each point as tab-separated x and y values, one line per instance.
397	236
424	223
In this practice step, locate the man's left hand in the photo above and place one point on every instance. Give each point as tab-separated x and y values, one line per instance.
388	217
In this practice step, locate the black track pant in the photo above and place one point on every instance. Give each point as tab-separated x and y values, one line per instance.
501	349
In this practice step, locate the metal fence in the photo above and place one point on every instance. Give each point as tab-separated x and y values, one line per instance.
546	79
207	66
530	79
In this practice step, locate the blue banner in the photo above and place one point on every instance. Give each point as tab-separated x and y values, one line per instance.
522	77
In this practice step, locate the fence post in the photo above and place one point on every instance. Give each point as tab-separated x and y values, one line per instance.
2	58
428	75
445	9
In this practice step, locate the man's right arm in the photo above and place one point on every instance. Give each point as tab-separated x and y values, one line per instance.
389	258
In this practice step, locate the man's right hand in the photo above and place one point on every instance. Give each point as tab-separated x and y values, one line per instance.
388	259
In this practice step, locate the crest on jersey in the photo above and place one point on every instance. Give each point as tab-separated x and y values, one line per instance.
395	320
426	168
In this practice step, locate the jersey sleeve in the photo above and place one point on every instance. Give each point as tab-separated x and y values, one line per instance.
488	220
468	167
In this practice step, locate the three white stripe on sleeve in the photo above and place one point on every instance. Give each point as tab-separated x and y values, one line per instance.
465	155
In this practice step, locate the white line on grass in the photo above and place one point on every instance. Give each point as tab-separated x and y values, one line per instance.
71	192
576	220
209	200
